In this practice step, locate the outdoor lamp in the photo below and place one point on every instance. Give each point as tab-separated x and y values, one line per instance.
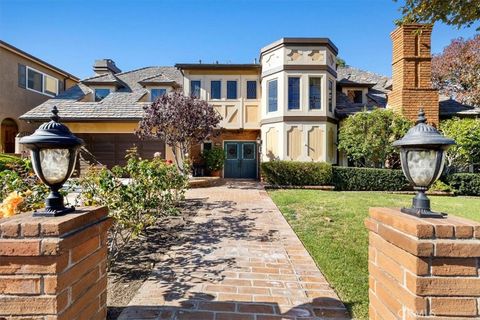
422	154
53	150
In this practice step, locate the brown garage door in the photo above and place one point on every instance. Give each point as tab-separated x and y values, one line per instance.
110	149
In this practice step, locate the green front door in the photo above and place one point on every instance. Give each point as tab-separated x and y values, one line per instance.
241	160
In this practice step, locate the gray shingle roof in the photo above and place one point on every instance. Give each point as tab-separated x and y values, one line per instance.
122	104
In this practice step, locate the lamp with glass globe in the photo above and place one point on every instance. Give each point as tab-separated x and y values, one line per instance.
422	155
53	150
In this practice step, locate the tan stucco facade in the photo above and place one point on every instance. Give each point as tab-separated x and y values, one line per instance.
15	100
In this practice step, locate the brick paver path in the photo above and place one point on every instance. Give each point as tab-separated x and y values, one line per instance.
239	259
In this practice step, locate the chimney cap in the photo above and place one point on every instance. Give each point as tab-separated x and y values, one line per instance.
105	66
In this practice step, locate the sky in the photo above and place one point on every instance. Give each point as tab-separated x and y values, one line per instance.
71	34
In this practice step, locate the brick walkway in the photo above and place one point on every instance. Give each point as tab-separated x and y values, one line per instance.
239	259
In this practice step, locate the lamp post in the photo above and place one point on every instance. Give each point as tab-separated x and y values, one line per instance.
53	150
422	155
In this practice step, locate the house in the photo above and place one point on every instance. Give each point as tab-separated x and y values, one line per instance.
25	82
288	106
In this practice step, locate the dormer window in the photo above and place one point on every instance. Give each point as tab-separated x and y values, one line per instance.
355	96
155	93
101	93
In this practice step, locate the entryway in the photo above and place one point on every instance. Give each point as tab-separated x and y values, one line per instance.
241	159
9	132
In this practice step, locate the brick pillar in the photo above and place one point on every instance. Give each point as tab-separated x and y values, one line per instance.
422	268
412	73
54	268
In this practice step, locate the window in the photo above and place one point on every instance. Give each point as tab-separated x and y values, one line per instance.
195	88
330	95
232	89
37	81
272	96
155	93
315	92
215	90
355	96
251	89
100	94
207	145
293	93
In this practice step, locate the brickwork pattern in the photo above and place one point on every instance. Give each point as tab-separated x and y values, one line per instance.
239	259
423	268
54	268
412	73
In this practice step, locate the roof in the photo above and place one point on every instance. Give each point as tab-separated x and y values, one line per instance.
222	66
122	104
37	60
300	42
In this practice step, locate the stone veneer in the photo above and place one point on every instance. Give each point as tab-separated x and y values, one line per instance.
54	267
423	268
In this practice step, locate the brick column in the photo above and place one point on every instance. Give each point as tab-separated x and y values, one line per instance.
54	268
422	268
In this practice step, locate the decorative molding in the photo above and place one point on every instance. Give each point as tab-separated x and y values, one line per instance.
299	119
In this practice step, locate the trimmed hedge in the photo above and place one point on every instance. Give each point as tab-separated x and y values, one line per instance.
467	184
368	179
296	173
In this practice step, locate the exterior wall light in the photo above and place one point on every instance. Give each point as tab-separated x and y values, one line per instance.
53	150
422	154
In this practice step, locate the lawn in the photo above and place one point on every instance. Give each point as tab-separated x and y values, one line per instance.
330	224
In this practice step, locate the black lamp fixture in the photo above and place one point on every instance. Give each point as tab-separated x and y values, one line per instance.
422	154
53	150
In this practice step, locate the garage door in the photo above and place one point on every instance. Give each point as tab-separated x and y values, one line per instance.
110	149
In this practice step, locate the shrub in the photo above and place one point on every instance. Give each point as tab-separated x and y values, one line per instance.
151	189
467	184
368	179
439	185
297	173
20	178
214	159
6	161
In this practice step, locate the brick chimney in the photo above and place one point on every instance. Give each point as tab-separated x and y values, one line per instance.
104	66
412	73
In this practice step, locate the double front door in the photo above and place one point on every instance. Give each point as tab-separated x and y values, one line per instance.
241	159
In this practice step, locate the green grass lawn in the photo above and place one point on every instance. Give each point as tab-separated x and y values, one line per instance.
330	224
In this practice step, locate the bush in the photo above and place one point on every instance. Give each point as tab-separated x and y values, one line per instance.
467	184
295	173
214	159
439	185
368	179
151	189
7	161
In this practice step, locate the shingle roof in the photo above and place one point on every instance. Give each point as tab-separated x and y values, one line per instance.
122	104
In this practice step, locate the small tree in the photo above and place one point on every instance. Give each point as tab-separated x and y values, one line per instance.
466	133
367	137
456	71
181	121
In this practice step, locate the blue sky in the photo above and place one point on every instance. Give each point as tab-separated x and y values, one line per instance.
71	34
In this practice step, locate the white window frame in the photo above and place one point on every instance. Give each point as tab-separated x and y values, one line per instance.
43	81
206	141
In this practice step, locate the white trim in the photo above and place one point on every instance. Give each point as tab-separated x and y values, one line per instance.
43	81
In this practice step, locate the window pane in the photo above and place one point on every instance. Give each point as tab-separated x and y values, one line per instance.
358	96
101	93
207	146
51	85
248	151
330	95
195	88
35	80
22	76
232	151
272	95
293	93
231	89
251	89
315	93
215	89
155	93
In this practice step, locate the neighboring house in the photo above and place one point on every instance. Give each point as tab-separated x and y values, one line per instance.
25	82
289	106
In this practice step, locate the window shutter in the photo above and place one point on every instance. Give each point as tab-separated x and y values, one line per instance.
22	76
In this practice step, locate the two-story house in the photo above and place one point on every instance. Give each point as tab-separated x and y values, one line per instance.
289	106
25	82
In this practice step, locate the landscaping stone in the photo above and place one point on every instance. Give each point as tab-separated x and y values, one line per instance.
239	259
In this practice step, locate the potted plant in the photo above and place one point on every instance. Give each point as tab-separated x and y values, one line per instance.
214	159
